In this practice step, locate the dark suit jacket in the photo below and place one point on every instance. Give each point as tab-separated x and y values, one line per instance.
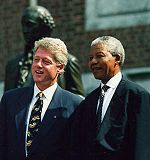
124	133
51	142
70	80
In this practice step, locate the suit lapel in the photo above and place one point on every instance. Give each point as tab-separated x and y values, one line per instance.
51	116
53	112
23	105
113	112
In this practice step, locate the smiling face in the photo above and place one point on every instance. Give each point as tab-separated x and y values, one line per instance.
45	70
102	63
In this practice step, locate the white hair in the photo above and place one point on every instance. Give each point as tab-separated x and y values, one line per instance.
56	46
113	45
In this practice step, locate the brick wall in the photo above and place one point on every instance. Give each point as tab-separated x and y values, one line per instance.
11	40
69	19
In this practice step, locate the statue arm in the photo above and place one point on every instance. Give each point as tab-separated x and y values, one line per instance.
73	76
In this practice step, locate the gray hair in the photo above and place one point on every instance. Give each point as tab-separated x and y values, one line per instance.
113	45
56	46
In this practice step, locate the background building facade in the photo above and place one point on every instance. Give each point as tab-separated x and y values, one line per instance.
78	22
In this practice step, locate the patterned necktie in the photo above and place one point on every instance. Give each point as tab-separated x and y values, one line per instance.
35	120
99	111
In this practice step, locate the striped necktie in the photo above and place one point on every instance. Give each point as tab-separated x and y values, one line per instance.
34	121
99	111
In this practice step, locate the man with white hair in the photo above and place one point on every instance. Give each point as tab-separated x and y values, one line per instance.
33	120
112	123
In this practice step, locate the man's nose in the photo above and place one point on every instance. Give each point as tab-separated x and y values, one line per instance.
94	60
39	63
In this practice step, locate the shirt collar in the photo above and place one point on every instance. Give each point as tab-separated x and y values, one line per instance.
114	81
48	93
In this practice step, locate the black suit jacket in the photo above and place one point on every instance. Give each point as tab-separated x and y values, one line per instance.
124	133
51	141
70	80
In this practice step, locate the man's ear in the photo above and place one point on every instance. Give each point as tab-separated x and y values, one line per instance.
60	68
118	58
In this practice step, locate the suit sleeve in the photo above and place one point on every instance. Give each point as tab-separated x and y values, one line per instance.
75	134
142	149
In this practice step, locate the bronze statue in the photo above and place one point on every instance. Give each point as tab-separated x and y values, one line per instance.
37	23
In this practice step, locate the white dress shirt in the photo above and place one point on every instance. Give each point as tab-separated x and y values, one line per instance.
48	94
112	83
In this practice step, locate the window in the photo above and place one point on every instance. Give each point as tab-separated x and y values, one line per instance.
104	14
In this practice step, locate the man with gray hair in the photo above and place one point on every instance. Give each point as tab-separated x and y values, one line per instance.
112	123
34	119
37	22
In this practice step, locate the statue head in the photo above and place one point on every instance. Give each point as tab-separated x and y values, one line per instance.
37	23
